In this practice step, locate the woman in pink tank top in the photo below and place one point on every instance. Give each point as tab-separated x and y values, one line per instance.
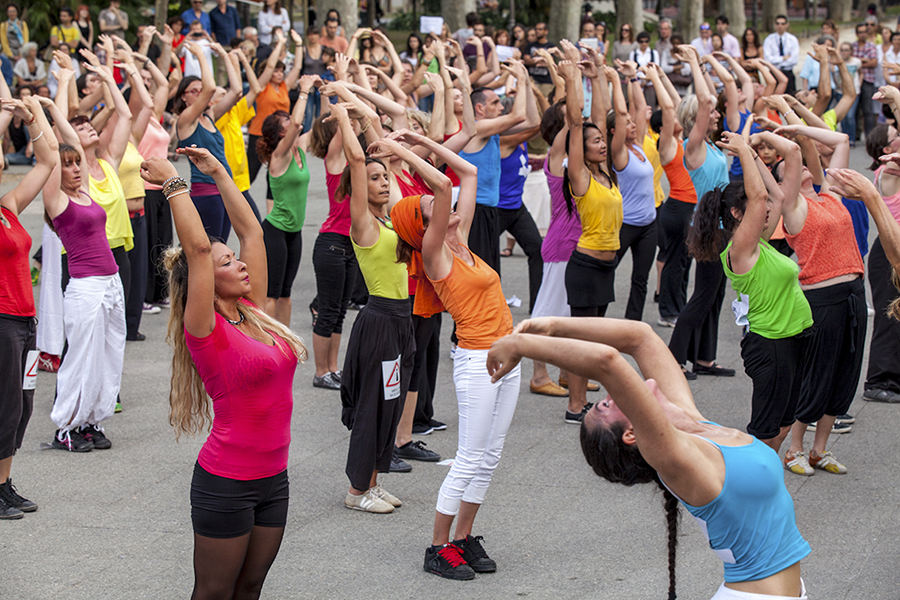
229	350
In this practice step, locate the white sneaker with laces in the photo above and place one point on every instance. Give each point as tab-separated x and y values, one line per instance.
367	502
827	462
383	494
150	309
799	464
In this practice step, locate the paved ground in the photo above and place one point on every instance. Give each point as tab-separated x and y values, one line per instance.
116	524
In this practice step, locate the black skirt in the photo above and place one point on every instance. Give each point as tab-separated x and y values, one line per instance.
590	281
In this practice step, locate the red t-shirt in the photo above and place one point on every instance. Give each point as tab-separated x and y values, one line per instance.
16	295
249	383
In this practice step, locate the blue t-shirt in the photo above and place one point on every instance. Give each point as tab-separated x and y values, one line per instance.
751	524
514	169
736	171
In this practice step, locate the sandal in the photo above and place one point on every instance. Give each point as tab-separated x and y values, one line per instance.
506	252
315	315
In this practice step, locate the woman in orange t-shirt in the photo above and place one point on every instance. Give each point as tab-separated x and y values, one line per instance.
273	96
436	245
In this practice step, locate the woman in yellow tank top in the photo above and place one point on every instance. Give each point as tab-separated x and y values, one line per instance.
591	185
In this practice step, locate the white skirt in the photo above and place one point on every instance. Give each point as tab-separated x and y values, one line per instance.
90	376
724	593
51	334
552	299
536	197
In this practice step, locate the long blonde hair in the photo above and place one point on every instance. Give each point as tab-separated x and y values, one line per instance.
189	405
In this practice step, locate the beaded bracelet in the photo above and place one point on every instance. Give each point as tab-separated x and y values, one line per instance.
178	184
169	180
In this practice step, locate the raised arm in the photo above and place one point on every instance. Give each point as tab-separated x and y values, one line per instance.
852	185
743	79
494	66
46	152
166	37
668	145
794	208
238	58
823	98
637	103
161	93
190	115
617	148
695	149
507	123
115	149
733	108
848	89
396	111
281	156
199	310
235	87
579	175
273	59
745	244
363	227
436	125
292	76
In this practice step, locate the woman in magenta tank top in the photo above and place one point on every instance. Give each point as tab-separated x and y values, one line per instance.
18	327
93	300
229	350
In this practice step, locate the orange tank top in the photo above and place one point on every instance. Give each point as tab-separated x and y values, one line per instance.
268	101
680	185
474	298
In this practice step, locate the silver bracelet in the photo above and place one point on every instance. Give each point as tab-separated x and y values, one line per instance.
38	136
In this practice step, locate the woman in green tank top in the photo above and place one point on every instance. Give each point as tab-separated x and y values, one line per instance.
284	150
770	302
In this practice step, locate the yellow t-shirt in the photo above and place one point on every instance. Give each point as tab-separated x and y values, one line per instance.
235	152
830	118
69	35
108	194
649	147
600	210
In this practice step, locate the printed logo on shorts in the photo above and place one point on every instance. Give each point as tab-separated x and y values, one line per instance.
29	382
390	377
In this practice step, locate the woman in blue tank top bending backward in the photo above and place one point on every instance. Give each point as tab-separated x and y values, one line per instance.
651	432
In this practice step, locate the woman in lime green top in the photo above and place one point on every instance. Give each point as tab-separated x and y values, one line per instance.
381	349
770	301
283	148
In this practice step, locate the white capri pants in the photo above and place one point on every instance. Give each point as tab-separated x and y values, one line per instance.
485	413
724	593
552	299
91	374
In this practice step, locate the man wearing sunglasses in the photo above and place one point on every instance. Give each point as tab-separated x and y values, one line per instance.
703	42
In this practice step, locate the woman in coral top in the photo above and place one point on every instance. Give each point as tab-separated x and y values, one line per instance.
229	348
470	291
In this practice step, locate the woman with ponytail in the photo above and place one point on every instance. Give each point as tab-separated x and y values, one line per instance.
229	350
696	335
283	149
770	302
651	432
436	245
590	185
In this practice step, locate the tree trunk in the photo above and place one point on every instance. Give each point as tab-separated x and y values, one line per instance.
565	20
455	11
840	10
627	11
348	9
162	15
690	15
770	10
737	18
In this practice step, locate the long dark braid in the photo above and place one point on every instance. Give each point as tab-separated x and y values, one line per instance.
618	462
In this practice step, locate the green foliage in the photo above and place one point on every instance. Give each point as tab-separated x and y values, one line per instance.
42	15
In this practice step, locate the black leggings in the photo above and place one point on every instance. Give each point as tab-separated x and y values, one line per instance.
674	220
642	242
520	224
335	266
696	334
158	216
883	372
424	373
283	250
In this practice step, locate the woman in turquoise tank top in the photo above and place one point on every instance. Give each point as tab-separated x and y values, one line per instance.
770	302
651	432
283	149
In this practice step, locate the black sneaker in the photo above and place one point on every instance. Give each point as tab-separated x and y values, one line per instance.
448	562
416	451
9	512
327	381
72	441
576	418
474	554
845	419
437	425
95	436
11	496
420	429
398	465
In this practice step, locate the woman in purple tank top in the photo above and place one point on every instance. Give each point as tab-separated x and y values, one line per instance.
94	303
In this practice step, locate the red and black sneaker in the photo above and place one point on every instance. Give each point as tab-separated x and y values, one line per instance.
94	435
48	362
474	554
448	562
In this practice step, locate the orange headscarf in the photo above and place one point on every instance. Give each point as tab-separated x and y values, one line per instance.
406	217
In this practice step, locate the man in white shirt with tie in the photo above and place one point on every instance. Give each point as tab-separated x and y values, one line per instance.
783	50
